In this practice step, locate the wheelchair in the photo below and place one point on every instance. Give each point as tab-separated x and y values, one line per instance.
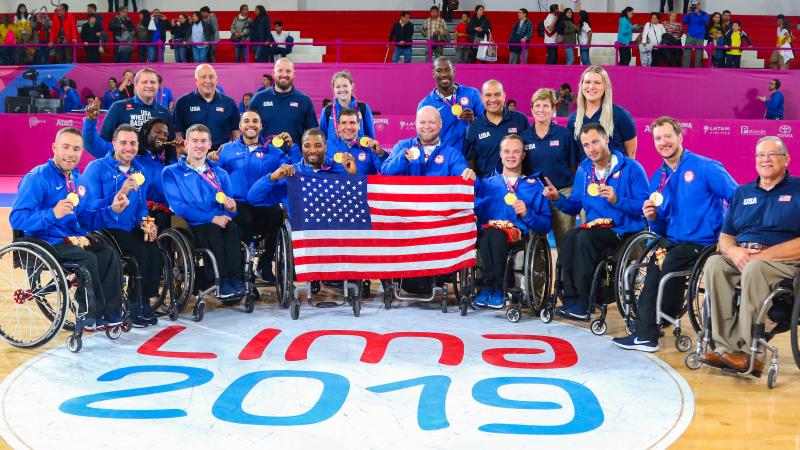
184	261
781	306
634	278
289	295
527	279
607	282
31	275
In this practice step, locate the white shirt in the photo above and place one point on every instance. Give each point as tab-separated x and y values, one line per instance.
550	22
583	34
280	38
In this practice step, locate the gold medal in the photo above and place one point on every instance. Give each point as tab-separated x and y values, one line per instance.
510	198
138	178
277	141
657	198
456	110
73	198
221	197
414	153
593	190
338	157
364	141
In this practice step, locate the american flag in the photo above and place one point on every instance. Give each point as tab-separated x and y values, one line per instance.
371	227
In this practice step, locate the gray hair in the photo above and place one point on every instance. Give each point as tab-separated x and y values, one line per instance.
776	140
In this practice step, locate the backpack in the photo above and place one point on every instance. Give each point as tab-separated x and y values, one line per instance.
362	112
540	29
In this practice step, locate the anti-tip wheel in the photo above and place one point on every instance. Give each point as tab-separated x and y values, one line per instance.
683	343
197	313
74	344
173	314
444	305
249	305
357	307
294	309
513	315
546	315
692	361
599	327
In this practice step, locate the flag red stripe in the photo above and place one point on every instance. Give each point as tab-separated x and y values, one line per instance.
416	180
338	259
419	198
422	225
356	242
346	275
413	212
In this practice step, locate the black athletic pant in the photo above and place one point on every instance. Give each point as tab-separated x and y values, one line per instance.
225	244
105	271
493	247
148	259
264	220
552	55
671	5
163	220
625	56
679	257
581	250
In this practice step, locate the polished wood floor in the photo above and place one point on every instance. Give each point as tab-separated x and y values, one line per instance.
730	412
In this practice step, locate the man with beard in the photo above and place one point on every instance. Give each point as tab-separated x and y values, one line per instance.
138	109
368	152
207	106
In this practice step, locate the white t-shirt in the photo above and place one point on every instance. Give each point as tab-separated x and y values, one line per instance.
280	38
583	34
550	22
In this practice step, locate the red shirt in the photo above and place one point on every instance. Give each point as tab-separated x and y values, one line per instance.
461	28
70	28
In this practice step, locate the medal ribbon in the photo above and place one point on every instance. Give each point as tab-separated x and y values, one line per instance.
511	189
664	178
210	179
422	149
71	185
606	172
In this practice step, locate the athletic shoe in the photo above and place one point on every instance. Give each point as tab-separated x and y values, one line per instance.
226	290
482	299
151	319
573	311
496	300
139	322
113	320
89	325
239	286
634	343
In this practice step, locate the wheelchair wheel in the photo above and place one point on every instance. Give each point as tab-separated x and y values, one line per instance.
697	290
34	292
179	250
294	309
165	301
114	332
537	271
74	343
284	269
628	253
628	310
795	324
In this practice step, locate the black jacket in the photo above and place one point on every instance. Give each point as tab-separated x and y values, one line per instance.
116	24
403	33
483	22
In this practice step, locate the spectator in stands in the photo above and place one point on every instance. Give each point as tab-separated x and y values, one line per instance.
162	25
91	11
343	85
780	58
211	19
478	28
126	86
715	34
727	24
133	4
7	38
652	34
201	34
402	34
520	34
24	32
240	32
67	91
164	95
551	34
63	31
111	95
266	82
671	6
595	105
625	35
565	99
113	6
568	32
462	37
734	39
40	31
696	23
181	33
511	104
774	102
244	105
283	41
260	34
92	33
435	29
584	37
121	27
674	30
143	36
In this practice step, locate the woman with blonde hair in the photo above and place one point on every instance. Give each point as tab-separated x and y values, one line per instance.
595	105
343	85
550	152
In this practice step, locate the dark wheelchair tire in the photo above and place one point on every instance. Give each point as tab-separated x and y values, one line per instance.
795	333
694	303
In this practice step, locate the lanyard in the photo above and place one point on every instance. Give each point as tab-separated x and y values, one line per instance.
606	172
210	179
664	178
511	189
70	184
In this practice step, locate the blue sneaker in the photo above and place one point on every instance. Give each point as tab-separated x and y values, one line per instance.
482	299
239	286
226	290
496	300
634	343
113	320
89	325
573	311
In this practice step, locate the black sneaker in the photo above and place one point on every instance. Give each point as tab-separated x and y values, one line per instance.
139	322
150	319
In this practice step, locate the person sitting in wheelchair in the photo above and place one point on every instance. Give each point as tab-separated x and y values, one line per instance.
134	230
611	188
685	210
368	152
759	247
197	190
508	205
52	205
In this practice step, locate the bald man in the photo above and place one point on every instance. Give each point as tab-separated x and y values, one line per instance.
427	154
205	105
482	145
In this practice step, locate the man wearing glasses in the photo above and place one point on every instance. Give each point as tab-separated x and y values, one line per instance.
759	246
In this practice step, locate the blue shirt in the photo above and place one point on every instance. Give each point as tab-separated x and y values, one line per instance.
152	168
109	98
490	203
134	112
629	181
70	97
38	193
192	197
453	129
765	217
774	106
625	31
328	119
696	23
367	162
290	111
443	161
483	140
164	97
246	166
104	180
266	192
693	199
220	115
553	156
624	129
